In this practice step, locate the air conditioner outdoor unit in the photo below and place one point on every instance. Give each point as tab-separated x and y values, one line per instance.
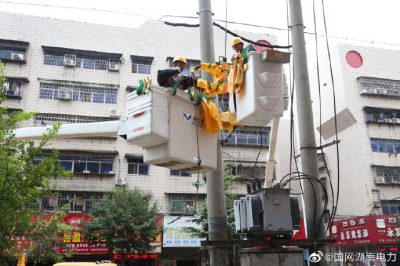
86	172
388	120
396	120
69	60
120	181
113	66
115	113
380	180
65	94
18	56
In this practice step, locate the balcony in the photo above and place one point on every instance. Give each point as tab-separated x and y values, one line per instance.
379	87
382	116
13	51
14	87
386	175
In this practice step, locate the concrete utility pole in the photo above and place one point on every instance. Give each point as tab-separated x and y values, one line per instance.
216	206
308	151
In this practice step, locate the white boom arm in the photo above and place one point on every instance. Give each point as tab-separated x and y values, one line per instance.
82	130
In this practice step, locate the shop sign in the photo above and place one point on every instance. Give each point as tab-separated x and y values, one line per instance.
367	230
175	232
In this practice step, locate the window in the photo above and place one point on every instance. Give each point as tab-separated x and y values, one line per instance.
85	163
141	64
387	116
13	51
178	202
390	206
248	136
80	93
387	174
179	173
14	88
45	119
376	86
137	167
385	145
81	61
76	201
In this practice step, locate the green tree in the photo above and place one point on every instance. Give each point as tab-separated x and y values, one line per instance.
125	220
23	181
47	234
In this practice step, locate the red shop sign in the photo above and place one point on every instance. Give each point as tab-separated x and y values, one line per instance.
367	230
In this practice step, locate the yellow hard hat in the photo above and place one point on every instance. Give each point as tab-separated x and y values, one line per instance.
179	58
236	40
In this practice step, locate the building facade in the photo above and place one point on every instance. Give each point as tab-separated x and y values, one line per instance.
367	89
76	72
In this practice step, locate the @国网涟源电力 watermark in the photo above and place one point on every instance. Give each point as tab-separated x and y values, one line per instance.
352	257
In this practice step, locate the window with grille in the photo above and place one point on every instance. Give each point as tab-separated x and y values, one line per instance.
81	61
178	202
13	87
96	164
387	175
13	51
141	64
75	201
376	86
385	145
137	167
248	137
46	119
80	93
390	206
387	116
179	173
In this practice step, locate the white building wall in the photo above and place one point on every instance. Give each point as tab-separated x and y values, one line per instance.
151	39
356	156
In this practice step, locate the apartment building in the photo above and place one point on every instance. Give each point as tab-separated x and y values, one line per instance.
367	89
75	72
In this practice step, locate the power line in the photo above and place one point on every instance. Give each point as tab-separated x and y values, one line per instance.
77	8
191	17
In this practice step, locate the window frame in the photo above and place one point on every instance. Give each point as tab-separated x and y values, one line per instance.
138	164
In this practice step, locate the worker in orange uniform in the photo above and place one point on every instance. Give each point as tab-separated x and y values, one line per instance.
239	60
172	76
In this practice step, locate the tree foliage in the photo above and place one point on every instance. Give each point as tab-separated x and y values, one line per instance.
125	220
22	180
47	235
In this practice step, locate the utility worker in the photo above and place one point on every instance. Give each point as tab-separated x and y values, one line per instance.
239	60
179	62
167	77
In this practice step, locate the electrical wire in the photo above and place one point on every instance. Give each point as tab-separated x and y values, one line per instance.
320	117
335	113
226	23
230	32
258	155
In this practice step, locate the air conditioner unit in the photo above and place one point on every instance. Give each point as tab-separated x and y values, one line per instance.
374	91
113	65
380	180
86	172
388	120
65	94
115	113
120	181
18	56
396	120
69	60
